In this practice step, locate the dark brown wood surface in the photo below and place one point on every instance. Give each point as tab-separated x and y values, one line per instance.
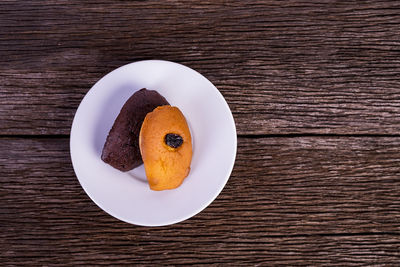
314	87
292	67
332	200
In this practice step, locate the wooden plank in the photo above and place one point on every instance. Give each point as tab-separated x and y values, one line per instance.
293	67
133	246
289	200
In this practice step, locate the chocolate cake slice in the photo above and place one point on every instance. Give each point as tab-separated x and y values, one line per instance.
121	149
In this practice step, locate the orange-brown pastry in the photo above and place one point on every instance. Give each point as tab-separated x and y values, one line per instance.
166	147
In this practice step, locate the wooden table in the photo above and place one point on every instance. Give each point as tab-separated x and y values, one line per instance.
314	87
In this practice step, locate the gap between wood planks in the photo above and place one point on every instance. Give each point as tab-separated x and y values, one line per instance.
293	135
334	234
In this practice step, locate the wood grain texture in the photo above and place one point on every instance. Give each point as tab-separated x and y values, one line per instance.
292	67
304	200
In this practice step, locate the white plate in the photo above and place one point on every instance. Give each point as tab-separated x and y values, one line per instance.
126	195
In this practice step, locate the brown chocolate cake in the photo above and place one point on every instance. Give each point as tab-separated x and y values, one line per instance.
121	149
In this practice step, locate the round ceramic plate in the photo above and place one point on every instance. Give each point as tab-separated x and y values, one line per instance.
126	195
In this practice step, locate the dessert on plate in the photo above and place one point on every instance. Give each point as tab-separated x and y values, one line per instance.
148	130
166	147
121	149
